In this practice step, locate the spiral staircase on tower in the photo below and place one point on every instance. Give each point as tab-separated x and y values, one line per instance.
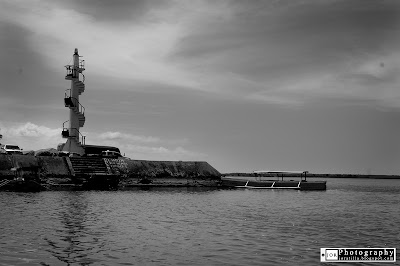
74	104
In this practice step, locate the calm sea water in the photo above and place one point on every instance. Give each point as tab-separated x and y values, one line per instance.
197	227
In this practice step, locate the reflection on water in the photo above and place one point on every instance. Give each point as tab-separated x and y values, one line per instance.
182	226
72	242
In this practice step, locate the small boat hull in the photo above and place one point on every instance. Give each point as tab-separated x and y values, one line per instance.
271	184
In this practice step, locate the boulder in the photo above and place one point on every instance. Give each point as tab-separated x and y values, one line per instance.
32	153
46	152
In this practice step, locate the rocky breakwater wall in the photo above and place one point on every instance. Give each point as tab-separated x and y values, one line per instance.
53	170
136	173
29	173
29	166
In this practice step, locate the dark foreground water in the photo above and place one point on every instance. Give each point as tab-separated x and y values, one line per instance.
197	227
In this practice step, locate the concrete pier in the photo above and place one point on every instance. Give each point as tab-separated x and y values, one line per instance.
64	173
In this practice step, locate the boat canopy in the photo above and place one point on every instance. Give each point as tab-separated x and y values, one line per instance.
279	172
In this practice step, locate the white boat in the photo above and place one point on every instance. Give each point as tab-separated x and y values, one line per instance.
258	181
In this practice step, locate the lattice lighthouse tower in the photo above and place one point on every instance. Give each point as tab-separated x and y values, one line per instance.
71	128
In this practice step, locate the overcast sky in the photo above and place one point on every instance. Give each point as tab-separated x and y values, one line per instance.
244	85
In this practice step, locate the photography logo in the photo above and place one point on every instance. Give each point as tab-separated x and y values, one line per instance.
358	254
330	254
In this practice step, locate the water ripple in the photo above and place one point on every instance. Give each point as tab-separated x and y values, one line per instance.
196	227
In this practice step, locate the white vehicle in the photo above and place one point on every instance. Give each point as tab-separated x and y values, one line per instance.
11	149
112	154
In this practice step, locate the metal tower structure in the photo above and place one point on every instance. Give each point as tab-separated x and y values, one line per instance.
75	140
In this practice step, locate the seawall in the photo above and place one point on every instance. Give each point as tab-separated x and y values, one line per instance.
130	173
169	173
33	167
311	175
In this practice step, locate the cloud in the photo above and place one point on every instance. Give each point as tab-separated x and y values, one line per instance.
117	11
162	153
132	51
128	137
147	147
281	52
230	48
290	52
31	130
368	81
30	136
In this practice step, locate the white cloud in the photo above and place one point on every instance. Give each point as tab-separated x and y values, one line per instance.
141	50
130	138
275	98
31	130
30	136
130	51
127	137
147	147
371	79
161	153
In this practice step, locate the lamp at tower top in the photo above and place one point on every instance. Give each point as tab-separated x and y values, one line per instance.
77	67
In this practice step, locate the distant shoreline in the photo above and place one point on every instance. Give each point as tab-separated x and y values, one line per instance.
310	175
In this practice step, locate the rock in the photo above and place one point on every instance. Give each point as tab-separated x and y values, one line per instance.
46	152
32	153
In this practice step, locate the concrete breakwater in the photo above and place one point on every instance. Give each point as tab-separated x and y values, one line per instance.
62	172
311	175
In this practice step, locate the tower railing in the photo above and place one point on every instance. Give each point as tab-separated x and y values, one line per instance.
64	124
81	108
67	134
65	131
73	71
74	101
83	77
82	64
80	136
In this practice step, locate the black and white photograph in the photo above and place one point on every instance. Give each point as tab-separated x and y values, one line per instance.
199	132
